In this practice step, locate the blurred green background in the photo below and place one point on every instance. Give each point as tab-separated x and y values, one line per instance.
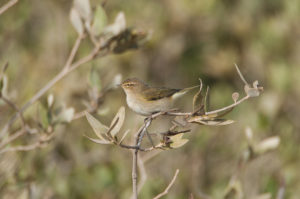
190	40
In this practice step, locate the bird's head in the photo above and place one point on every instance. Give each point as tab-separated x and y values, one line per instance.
133	85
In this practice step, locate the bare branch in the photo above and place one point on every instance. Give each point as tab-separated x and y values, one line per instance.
228	107
166	191
7	6
14	106
73	52
39	144
58	77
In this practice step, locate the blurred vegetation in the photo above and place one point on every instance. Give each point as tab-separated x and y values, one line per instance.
190	39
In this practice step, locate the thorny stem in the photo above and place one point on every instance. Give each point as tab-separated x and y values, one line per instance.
7	6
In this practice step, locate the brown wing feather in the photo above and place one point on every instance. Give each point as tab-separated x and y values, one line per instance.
159	93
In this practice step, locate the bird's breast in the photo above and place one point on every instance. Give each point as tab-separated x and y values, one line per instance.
145	107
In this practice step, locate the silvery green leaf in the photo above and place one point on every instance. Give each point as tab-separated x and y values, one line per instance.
117	122
118	26
66	115
76	21
97	126
268	144
50	100
84	9
98	141
100	20
177	141
116	81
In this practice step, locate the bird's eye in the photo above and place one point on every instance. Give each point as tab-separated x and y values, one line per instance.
129	84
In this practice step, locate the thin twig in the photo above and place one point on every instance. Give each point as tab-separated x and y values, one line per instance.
13	137
166	191
58	77
30	147
14	106
240	74
228	107
73	52
7	6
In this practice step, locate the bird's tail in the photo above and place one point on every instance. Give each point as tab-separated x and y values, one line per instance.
183	91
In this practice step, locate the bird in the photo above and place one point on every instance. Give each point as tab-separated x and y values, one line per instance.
146	100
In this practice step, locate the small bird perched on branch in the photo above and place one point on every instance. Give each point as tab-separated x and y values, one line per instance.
146	100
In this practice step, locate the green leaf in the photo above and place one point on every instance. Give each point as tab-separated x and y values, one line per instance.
94	78
76	21
117	122
177	141
3	85
100	20
43	116
97	126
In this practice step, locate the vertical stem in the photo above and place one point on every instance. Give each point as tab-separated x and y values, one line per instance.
134	174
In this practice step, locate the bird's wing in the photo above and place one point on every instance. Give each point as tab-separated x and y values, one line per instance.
159	93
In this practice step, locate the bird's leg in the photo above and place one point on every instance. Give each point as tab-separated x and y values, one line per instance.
148	135
150	139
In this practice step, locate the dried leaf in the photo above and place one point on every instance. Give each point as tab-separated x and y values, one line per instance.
97	126
76	21
177	141
197	100
118	26
264	196
255	84
124	135
268	144
119	120
251	92
84	9
98	141
215	122
235	96
100	20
